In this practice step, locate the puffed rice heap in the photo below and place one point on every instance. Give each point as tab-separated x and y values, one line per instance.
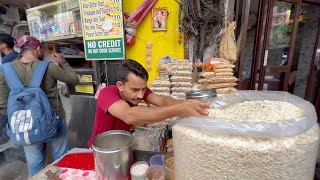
204	155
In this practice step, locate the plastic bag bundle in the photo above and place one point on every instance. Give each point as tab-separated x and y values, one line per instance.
181	84
250	135
226	90
181	78
211	64
217	79
164	64
181	89
181	68
160	89
228	46
161	86
160	83
224	70
162	93
218	74
213	86
181	73
178	95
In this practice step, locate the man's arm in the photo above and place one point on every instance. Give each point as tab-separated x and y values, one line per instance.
4	93
161	101
63	72
146	115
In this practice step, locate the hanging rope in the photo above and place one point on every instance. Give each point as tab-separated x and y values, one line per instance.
205	22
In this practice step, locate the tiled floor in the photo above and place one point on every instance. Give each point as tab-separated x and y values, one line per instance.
15	170
13	165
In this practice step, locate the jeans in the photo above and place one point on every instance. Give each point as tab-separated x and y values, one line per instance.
36	153
3	135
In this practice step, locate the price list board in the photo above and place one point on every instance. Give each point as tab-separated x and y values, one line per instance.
103	32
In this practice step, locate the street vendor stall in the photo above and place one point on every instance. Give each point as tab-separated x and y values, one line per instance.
247	135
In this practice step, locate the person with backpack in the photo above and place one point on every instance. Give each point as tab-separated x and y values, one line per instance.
29	98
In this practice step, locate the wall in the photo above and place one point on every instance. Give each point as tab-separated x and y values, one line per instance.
163	43
10	19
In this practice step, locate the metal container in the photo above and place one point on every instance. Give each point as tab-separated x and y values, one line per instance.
202	95
113	155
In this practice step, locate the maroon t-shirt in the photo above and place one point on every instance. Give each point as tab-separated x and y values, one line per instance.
104	121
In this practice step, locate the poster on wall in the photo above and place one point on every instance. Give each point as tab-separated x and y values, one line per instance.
159	19
103	34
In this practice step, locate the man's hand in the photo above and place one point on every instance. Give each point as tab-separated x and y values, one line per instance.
193	108
58	58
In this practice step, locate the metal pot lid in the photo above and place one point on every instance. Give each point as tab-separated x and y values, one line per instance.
201	93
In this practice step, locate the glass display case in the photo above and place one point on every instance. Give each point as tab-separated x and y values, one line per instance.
282	24
55	21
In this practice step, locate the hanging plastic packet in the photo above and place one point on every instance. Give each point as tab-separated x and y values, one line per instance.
135	18
100	87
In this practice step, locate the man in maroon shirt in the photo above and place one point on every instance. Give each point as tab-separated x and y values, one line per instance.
117	105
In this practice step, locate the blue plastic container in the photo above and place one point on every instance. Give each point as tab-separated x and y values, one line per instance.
157	159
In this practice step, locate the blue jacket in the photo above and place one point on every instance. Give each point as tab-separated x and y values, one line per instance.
10	57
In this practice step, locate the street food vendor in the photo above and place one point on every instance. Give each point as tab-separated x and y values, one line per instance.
117	105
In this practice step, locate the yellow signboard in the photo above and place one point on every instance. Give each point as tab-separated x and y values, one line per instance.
103	31
86	78
84	89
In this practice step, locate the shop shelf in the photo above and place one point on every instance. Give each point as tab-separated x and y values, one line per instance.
74	56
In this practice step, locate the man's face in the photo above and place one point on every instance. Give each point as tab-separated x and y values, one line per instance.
3	46
133	90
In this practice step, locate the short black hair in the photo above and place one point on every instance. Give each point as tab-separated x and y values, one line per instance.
7	39
131	66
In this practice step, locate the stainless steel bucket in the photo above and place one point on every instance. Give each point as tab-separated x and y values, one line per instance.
113	155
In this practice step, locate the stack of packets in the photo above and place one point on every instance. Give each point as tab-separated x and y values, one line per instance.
181	78
161	86
217	74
